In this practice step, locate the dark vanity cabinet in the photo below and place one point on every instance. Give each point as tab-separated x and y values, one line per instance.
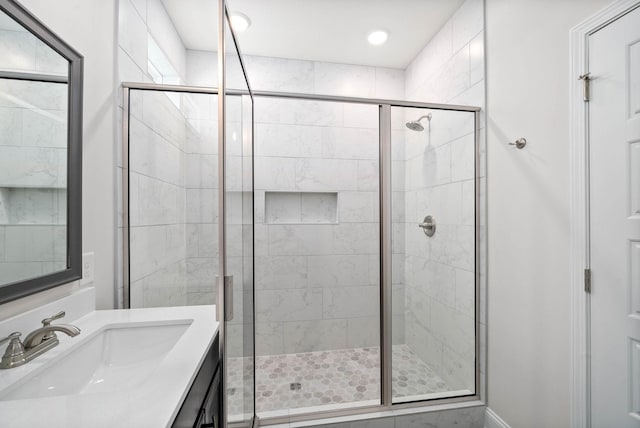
201	407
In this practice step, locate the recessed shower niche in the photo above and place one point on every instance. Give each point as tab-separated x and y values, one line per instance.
301	207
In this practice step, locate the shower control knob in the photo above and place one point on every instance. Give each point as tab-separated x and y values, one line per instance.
428	226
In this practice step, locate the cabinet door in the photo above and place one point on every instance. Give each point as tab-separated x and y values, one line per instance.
211	408
204	385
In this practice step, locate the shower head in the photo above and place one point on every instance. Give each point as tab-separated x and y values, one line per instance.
416	125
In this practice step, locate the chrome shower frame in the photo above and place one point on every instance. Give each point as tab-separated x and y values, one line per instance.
385	106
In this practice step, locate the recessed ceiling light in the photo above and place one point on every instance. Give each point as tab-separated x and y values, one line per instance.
377	37
239	21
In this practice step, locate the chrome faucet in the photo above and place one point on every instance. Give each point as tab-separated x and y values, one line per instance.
36	343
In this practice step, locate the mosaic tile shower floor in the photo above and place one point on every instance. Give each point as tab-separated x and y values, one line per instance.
312	379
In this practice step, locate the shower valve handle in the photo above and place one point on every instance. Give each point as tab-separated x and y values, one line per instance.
428	226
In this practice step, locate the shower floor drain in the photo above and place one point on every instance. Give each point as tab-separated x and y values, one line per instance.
295	386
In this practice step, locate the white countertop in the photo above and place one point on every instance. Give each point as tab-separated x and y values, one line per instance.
154	403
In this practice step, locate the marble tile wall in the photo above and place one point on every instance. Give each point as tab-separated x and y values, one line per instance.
295	146
439	181
201	197
173	180
172	232
176	157
317	285
157	201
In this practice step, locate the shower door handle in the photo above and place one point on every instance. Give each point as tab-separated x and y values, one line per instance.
225	290
228	298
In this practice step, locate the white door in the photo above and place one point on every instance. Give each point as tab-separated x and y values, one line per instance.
614	130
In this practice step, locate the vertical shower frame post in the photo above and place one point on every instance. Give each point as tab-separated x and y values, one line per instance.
222	268
126	257
385	253
480	249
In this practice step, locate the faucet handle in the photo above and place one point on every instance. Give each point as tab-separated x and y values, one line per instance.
12	336
14	354
15	346
47	322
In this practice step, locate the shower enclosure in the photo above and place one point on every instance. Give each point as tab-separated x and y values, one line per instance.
339	237
349	311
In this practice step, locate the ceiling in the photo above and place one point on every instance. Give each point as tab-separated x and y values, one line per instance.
319	30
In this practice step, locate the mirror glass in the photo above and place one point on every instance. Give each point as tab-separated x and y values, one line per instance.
33	155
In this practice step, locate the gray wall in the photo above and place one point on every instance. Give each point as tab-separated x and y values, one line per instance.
529	322
98	48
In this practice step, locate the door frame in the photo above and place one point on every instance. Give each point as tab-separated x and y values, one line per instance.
579	209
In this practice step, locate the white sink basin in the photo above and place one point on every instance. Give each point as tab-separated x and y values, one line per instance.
116	358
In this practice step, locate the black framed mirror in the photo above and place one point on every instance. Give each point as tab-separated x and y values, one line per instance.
40	156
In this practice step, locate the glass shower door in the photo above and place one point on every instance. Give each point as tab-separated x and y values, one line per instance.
236	237
317	199
434	261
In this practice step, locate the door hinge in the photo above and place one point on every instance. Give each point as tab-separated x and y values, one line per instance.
587	280
586	86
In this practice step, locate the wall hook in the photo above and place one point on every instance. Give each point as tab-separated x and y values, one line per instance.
520	143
